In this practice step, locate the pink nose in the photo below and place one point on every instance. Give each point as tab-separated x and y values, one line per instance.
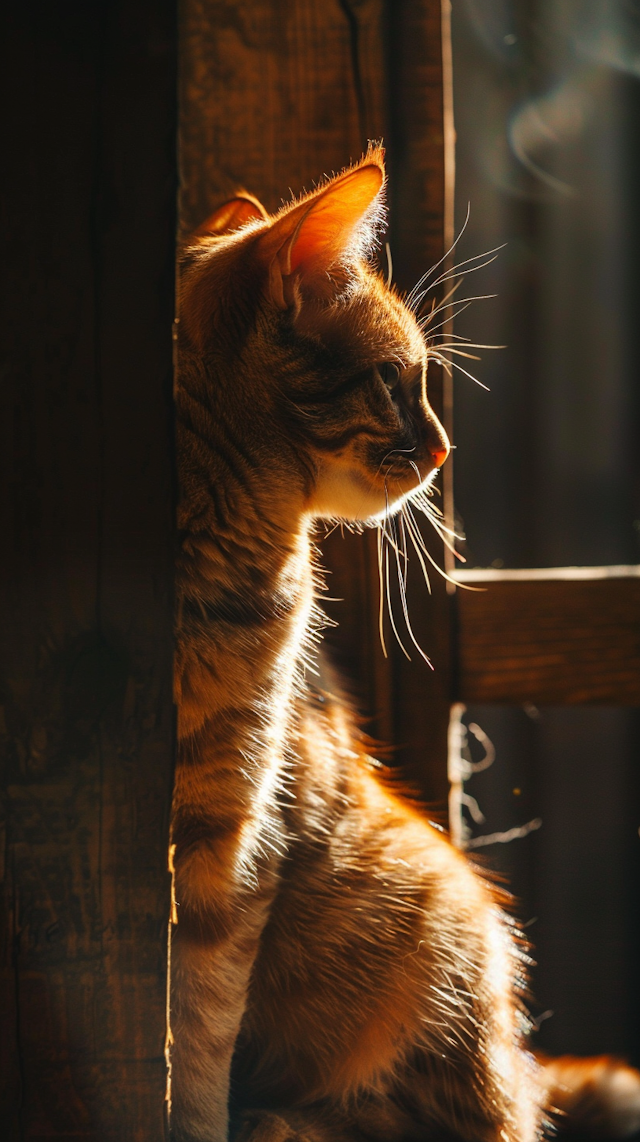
439	455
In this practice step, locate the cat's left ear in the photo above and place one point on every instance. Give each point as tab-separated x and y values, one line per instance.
231	216
332	226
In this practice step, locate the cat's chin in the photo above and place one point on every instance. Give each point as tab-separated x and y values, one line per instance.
350	495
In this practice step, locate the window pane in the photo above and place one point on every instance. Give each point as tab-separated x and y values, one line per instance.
547	467
548	462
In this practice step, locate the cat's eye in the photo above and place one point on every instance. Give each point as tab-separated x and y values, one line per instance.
390	374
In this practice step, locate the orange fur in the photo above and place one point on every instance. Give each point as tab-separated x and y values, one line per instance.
339	971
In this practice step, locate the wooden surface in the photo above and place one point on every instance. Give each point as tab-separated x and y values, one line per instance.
272	97
275	95
86	723
563	637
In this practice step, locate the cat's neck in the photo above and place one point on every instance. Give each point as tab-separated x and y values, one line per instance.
245	601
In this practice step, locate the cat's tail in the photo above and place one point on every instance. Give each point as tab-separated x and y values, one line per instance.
592	1098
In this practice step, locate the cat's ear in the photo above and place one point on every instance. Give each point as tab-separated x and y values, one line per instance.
332	226
231	216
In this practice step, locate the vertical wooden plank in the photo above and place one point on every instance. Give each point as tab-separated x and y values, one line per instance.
272	96
87	724
418	186
268	97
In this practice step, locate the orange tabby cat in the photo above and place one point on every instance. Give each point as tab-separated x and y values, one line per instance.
339	971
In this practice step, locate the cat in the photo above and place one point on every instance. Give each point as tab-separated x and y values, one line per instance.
339	970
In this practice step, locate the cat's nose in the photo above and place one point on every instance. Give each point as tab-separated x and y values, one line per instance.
437	441
439	455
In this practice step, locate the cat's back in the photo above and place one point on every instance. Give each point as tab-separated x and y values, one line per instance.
346	945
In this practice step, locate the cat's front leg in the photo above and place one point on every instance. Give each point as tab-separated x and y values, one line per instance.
313	1124
209	984
213	951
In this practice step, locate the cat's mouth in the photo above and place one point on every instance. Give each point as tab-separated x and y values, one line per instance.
398	484
350	490
414	464
419	476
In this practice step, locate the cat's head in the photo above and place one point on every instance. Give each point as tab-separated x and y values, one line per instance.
308	351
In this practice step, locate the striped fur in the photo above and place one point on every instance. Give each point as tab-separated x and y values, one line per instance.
338	970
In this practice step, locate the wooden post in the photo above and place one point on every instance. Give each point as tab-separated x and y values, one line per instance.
86	717
274	95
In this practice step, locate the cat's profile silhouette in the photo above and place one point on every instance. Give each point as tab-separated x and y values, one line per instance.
339	970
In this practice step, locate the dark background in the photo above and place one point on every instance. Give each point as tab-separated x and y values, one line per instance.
87	207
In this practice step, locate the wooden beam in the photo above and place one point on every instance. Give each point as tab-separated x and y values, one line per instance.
559	636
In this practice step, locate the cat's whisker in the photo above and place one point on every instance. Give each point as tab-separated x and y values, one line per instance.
440	527
422	493
443	574
389	265
425	494
405	610
458	352
386	533
458	272
446	533
464	305
402	583
390	607
442	303
420	490
468	343
410	522
401	548
435	517
448	365
403	535
452	273
466	372
425	277
463	302
419	540
381	594
392	452
445	321
445	305
390	540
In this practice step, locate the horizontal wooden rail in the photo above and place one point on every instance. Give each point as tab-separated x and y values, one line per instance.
549	636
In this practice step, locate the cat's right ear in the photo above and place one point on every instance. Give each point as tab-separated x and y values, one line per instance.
334	225
231	216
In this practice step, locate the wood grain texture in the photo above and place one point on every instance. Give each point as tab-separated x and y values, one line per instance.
420	696
272	96
269	98
562	642
86	504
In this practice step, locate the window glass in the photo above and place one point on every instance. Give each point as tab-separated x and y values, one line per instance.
546	107
547	467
